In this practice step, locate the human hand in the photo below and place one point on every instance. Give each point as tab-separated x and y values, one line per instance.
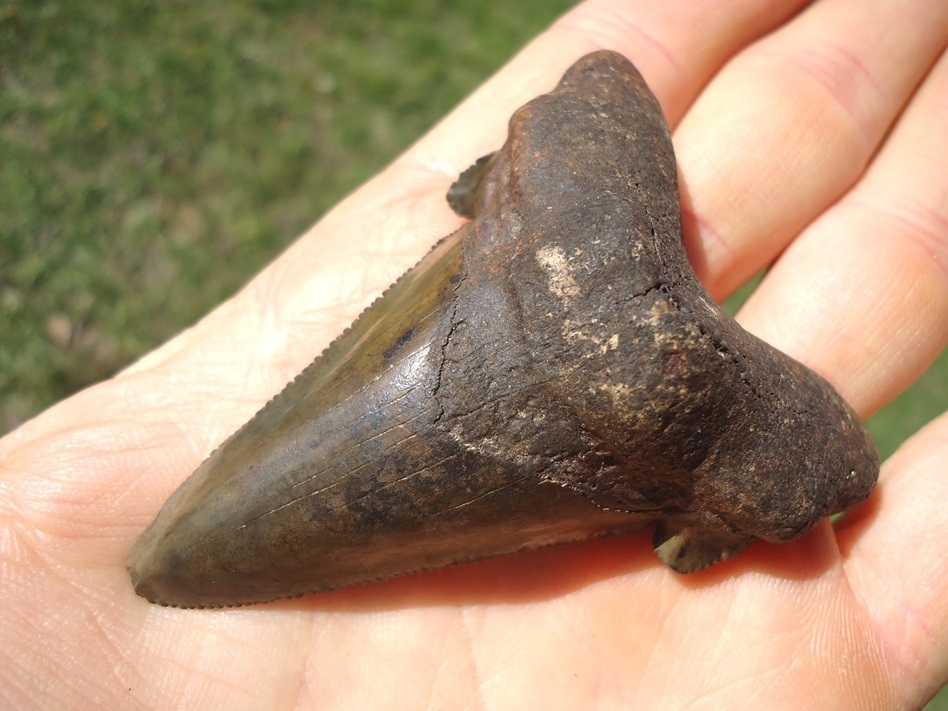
817	137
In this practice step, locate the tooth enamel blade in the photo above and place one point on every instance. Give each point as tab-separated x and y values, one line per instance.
348	476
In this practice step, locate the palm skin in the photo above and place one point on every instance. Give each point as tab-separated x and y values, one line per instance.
810	137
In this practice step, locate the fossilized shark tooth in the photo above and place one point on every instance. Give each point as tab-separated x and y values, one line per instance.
550	372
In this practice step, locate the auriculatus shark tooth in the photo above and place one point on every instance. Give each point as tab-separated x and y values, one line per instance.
550	372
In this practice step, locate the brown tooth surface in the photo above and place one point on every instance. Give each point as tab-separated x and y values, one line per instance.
550	372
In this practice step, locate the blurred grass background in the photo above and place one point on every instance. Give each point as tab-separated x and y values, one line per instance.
154	156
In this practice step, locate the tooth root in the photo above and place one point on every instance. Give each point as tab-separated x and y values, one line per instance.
550	372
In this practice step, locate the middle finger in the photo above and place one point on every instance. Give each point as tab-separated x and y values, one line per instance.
791	122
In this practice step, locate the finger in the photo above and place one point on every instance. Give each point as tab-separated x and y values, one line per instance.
862	295
676	46
895	563
788	125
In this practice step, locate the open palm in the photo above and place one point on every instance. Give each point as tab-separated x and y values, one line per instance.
808	137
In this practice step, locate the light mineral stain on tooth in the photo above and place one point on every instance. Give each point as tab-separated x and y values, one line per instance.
562	283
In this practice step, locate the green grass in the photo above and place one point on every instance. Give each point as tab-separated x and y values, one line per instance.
154	156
